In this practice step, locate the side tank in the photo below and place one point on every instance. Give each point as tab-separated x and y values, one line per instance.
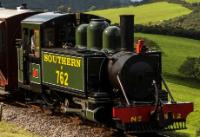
94	33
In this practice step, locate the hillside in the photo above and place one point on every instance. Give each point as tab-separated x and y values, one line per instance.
153	12
187	22
75	5
176	49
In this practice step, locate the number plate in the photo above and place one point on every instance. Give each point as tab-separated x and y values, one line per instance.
63	70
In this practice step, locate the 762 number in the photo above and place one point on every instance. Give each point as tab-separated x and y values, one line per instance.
62	78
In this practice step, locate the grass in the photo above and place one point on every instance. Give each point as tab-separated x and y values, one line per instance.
10	130
154	12
192	1
184	93
176	49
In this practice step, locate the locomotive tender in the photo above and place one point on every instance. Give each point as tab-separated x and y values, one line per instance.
79	63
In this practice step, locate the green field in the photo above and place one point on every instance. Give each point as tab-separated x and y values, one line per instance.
9	130
192	1
154	12
190	93
176	49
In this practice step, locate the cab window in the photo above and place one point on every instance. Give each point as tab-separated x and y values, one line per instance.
49	37
67	35
31	41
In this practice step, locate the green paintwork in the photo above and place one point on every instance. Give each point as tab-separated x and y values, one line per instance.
20	64
35	75
94	33
81	35
59	70
31	26
111	38
21	51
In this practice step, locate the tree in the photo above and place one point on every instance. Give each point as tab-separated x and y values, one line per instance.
191	67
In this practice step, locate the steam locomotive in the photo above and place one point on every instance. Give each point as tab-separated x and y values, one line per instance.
79	63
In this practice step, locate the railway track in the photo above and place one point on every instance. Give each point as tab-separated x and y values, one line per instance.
43	123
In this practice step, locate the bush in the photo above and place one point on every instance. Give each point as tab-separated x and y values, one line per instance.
168	30
191	68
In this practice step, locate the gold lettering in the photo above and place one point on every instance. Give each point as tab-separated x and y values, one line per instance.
139	118
54	60
50	59
73	62
165	116
78	63
179	116
68	62
59	59
136	119
174	116
45	58
64	61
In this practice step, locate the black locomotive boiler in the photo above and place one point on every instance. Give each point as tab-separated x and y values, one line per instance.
79	63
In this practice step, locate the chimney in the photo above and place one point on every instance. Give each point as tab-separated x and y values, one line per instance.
127	32
1	5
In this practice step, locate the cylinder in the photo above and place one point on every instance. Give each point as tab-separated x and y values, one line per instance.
81	35
127	32
111	39
94	33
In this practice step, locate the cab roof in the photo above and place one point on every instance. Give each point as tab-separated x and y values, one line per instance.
8	13
43	17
